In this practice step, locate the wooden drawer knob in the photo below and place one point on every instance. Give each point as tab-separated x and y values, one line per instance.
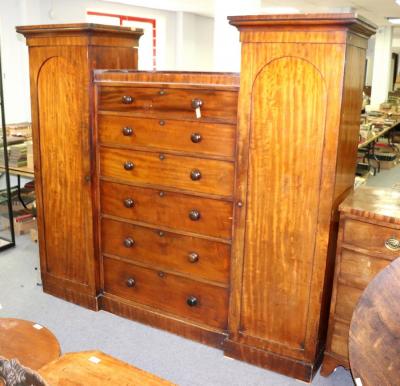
194	215
129	203
127	131
131	282
195	137
195	175
129	242
193	257
392	244
129	165
192	301
127	100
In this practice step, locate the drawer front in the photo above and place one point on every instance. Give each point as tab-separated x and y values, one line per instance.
167	292
359	269
170	251
192	174
171	102
174	210
371	237
346	301
193	137
340	339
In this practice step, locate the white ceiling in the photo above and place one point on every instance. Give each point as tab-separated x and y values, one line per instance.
374	10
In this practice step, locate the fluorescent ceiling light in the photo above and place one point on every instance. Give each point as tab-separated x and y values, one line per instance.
394	20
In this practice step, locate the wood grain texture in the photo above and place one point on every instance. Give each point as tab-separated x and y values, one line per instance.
172	171
32	347
61	58
168	135
165	102
167	252
168	209
79	369
361	255
375	328
167	292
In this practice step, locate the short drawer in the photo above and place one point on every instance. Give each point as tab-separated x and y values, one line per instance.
186	136
340	338
201	258
165	292
359	269
188	173
215	105
374	238
174	210
346	301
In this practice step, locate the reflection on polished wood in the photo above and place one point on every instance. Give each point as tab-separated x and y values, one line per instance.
374	346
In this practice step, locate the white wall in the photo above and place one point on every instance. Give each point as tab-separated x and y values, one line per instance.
195	41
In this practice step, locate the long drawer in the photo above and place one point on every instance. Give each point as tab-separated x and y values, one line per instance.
191	174
215	105
186	136
176	295
174	210
166	250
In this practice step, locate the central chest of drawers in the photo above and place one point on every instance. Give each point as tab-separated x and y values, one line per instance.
165	176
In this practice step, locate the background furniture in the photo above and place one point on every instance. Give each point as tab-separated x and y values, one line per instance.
31	344
61	60
301	85
95	368
369	239
374	346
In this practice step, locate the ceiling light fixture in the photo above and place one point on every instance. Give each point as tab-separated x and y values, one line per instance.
398	2
394	20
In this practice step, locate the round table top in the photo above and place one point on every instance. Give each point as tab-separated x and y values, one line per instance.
374	347
32	344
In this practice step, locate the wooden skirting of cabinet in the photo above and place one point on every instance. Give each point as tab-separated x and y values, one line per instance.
165	190
369	240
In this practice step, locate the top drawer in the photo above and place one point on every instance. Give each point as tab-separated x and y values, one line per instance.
216	105
376	239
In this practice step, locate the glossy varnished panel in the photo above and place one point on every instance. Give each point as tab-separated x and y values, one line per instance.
167	292
169	135
160	208
170	171
170	251
287	130
64	148
172	103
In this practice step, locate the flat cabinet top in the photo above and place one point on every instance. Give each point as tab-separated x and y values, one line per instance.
56	29
128	77
374	203
349	21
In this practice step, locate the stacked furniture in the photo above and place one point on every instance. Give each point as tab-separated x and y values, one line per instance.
171	216
369	240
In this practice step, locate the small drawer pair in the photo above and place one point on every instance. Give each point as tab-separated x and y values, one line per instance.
179	296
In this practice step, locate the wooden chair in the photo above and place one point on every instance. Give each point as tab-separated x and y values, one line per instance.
374	340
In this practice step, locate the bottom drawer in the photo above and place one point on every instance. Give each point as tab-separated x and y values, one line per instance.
340	338
189	299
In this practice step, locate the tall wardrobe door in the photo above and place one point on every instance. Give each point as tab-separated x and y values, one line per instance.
65	165
286	141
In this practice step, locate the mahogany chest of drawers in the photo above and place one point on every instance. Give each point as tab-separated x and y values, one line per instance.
166	166
369	239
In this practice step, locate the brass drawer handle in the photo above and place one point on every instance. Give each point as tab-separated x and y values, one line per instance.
192	301
129	203
195	137
193	257
194	215
127	131
127	99
129	165
392	244
195	175
129	242
131	282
